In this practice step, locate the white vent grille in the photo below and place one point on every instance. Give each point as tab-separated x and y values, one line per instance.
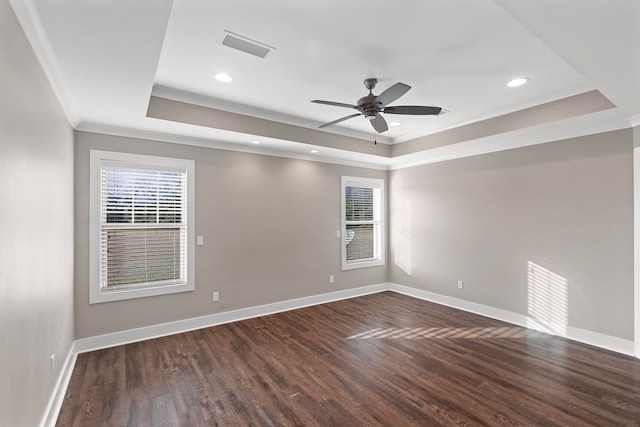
247	45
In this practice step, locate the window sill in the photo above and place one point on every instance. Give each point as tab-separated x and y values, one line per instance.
99	296
353	265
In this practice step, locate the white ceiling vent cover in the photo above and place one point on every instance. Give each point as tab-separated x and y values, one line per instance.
245	44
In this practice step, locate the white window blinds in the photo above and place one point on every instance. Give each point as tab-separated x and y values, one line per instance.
361	203
143	226
362	222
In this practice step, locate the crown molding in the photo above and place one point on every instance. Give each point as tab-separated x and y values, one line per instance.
331	156
31	24
590	124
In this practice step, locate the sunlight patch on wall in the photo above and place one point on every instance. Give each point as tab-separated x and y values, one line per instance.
401	233
432	333
547	299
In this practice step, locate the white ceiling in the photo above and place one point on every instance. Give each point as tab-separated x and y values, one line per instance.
104	58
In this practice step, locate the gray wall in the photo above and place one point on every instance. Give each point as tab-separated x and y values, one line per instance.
36	229
269	225
544	231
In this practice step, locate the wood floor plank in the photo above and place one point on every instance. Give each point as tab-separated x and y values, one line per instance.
380	360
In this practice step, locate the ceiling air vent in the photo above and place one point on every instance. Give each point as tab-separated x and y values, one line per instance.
245	44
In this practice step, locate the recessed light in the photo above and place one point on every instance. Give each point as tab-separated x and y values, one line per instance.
255	142
223	77
517	82
314	151
394	124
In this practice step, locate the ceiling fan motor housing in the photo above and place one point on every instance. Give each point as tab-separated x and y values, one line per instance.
368	106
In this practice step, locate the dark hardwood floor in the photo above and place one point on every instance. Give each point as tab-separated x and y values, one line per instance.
383	359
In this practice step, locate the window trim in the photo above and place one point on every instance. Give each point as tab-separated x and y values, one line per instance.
378	260
97	159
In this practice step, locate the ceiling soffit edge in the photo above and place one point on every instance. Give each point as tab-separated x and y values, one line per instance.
545	133
634	121
175	94
561	109
177	111
219	144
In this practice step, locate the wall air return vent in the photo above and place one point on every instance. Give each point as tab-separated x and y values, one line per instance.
245	44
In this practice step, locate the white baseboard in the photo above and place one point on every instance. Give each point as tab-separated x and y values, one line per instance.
155	331
140	334
57	396
607	342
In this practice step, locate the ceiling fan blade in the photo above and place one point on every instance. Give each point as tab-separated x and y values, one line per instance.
392	93
418	110
379	124
340	120
335	104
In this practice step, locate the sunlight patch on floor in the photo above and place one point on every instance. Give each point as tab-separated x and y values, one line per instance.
431	333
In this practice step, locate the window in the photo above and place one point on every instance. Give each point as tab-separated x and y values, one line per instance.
141	219
362	222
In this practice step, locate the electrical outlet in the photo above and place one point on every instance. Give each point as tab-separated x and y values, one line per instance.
216	296
460	284
53	362
331	279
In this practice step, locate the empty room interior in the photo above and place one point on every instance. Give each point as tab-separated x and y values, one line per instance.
319	213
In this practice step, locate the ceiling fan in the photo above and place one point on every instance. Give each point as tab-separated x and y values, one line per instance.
371	106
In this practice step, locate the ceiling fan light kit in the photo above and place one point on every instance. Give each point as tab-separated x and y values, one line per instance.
371	106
